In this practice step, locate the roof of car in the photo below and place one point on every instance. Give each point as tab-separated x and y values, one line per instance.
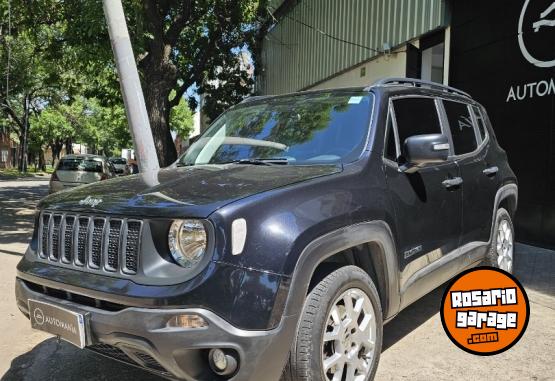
417	85
83	156
303	92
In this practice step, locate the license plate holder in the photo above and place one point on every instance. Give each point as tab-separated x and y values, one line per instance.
68	325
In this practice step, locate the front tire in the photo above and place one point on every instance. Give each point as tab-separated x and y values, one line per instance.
501	252
340	332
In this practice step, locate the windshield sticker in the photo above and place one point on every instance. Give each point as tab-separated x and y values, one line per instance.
355	100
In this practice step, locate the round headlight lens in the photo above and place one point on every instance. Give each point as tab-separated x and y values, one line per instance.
187	241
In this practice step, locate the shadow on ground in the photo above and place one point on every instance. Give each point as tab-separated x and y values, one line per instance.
535	269
17	205
412	317
53	360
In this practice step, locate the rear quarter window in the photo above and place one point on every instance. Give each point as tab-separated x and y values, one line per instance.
462	128
480	121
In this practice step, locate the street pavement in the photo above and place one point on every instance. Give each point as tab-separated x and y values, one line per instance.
415	346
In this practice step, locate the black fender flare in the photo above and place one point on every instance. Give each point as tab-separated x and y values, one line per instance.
376	232
506	191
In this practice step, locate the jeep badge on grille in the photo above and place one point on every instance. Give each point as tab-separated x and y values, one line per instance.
90	201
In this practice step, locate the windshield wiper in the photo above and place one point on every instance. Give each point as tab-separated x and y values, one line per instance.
254	161
262	161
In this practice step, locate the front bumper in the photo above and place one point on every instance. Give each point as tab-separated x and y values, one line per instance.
139	336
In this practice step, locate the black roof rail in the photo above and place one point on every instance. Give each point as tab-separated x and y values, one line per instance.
254	98
418	83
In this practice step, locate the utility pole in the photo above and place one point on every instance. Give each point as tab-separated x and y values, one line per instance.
133	98
26	133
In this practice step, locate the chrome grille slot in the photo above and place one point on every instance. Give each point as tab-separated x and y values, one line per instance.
55	234
67	247
82	233
44	246
131	246
93	243
113	247
96	242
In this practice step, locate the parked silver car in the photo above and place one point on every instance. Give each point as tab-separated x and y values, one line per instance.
75	170
120	165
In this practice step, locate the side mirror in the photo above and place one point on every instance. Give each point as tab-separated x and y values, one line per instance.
421	150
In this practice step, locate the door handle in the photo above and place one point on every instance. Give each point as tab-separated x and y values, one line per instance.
491	171
452	183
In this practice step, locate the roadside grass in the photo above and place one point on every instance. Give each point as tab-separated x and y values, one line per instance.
13	173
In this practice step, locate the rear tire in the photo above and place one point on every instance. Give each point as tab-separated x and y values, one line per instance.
341	324
501	251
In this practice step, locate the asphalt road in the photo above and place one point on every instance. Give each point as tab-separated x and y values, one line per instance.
415	346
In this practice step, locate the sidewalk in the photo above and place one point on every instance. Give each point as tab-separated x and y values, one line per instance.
535	268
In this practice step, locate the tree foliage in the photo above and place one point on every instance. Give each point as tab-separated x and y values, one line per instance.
179	45
181	120
60	59
102	129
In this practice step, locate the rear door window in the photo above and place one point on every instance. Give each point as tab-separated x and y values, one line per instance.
462	129
415	116
480	121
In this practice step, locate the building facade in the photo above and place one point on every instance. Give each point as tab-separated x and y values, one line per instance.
8	151
330	43
500	51
503	53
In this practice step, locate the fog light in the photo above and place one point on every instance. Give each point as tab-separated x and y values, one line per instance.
219	360
186	321
222	363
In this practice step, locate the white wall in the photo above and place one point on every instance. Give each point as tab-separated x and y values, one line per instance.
390	65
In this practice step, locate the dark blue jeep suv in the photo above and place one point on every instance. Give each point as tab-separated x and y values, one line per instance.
280	243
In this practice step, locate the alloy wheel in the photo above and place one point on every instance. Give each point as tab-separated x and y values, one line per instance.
505	246
349	338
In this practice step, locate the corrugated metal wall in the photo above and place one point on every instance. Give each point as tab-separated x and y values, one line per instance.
296	56
275	4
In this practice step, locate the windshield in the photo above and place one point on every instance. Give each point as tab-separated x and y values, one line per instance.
118	161
80	164
324	127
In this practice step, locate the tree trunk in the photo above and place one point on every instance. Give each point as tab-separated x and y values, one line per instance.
22	166
69	146
160	76
21	154
158	108
56	149
42	162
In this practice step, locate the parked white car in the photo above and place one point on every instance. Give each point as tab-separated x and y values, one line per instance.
120	165
75	170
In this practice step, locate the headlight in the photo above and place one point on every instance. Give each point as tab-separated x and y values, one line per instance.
187	241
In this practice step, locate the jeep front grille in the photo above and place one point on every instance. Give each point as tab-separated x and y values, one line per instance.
101	244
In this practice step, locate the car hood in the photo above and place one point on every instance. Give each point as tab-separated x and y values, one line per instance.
181	192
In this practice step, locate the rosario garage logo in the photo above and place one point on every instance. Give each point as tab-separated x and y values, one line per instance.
485	311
